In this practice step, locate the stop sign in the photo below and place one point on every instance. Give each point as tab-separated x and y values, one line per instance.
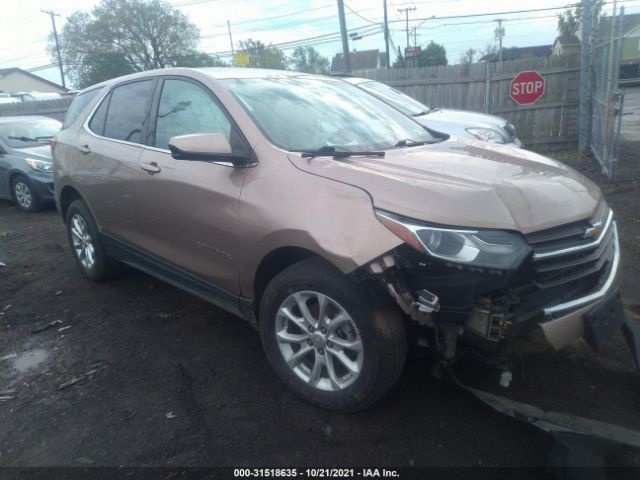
527	87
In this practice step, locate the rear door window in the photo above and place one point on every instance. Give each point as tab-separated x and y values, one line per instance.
186	108
128	111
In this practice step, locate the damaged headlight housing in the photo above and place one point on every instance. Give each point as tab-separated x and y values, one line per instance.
496	249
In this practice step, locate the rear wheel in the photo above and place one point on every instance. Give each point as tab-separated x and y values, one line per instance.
85	244
24	195
326	342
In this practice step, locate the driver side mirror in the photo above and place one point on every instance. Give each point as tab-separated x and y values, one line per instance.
206	147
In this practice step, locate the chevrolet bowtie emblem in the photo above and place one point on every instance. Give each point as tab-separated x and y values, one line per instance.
594	231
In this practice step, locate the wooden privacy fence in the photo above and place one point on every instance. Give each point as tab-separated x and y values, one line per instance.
50	108
485	87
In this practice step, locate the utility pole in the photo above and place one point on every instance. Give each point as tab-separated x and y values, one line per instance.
230	39
415	37
386	33
406	12
345	41
499	33
53	16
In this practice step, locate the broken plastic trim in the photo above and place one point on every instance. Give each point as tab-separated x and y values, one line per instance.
576	442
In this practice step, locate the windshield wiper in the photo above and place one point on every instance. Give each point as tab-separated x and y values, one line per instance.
23	139
337	152
407	142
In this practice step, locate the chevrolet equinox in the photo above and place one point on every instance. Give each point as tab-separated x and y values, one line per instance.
340	228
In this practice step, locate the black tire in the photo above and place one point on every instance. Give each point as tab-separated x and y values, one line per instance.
102	267
21	186
381	332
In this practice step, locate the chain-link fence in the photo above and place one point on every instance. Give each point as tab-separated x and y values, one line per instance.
606	98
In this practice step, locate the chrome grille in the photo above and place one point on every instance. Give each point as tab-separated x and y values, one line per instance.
572	252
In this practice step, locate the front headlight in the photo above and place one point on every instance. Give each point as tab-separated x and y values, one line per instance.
481	248
39	165
487	134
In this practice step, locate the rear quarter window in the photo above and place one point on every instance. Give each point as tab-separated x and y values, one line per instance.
79	103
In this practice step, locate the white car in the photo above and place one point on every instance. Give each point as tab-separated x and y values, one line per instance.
460	123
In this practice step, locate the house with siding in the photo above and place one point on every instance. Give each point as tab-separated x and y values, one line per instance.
16	80
630	55
566	45
515	53
630	52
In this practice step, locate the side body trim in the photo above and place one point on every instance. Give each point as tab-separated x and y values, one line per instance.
173	275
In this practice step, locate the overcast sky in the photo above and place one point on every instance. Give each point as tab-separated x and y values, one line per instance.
24	29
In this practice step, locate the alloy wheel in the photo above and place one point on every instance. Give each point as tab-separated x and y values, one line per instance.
23	195
82	242
319	341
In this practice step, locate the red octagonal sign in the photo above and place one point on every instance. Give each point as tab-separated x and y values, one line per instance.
527	87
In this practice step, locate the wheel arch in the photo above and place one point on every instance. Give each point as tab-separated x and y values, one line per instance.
67	195
275	262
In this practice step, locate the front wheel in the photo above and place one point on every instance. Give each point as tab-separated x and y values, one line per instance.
326	342
24	195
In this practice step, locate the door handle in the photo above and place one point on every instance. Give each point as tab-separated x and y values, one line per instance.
84	148
151	167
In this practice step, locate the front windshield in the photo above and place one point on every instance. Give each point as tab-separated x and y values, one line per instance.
28	132
402	102
308	113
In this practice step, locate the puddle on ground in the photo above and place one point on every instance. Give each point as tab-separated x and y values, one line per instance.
29	360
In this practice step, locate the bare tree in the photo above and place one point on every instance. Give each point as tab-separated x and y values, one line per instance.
468	56
489	51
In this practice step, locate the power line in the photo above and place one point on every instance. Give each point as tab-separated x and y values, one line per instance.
333	37
279	26
267	29
564	7
274	17
284	45
363	18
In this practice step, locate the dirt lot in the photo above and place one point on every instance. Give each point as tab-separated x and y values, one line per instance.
162	378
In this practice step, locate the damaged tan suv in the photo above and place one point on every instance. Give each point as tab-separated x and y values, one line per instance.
339	227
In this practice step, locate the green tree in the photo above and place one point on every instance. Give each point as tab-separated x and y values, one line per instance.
309	60
125	36
263	56
434	54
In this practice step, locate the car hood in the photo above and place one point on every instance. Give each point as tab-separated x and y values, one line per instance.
41	152
467	184
463	118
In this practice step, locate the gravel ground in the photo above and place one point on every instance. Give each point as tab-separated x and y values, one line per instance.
137	373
